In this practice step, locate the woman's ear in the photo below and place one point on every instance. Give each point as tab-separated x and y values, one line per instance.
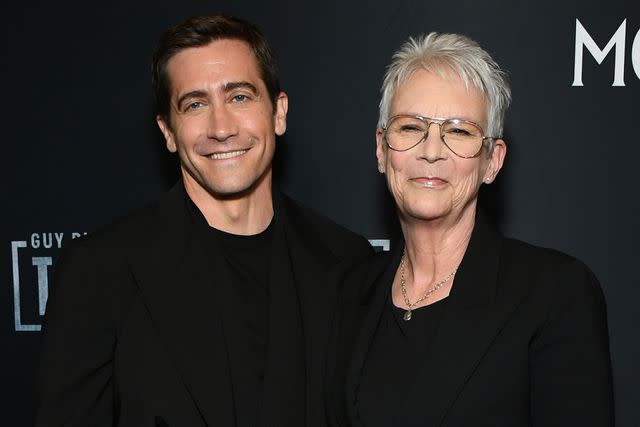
496	160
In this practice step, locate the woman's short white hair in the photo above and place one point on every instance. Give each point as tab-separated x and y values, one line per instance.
443	54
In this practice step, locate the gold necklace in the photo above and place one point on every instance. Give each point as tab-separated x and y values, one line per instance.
403	287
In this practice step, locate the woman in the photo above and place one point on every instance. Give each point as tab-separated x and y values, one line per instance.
464	327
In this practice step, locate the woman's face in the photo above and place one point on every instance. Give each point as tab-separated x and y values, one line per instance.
429	181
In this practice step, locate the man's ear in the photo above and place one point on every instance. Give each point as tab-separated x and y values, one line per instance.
168	134
496	160
280	115
381	151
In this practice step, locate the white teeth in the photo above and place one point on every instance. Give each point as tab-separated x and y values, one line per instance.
227	155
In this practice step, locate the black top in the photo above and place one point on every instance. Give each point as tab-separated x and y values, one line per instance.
248	259
397	354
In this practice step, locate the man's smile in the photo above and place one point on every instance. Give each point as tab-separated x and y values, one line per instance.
227	154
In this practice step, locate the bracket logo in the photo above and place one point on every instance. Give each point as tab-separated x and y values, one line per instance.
30	261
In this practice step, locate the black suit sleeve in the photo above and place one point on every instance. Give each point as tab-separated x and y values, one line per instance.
75	379
570	364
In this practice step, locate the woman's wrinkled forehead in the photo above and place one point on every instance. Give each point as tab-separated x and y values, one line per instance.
439	95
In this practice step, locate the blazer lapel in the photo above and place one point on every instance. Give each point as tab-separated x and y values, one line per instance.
314	269
471	320
373	307
177	279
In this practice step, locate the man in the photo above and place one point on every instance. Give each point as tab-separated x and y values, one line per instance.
212	306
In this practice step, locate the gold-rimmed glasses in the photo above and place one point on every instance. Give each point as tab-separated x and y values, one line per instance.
464	138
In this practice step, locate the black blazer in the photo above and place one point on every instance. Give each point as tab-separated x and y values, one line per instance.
523	341
133	333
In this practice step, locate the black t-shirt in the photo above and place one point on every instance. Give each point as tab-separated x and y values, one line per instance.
248	259
398	353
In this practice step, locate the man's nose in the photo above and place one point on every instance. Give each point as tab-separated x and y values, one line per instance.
222	123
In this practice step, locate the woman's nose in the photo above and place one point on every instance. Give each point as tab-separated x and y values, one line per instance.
431	147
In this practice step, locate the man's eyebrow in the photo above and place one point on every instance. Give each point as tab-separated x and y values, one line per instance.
228	87
192	94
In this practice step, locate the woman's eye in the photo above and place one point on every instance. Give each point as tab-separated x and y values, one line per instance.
458	131
411	129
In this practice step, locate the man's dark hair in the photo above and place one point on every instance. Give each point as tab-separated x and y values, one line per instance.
200	31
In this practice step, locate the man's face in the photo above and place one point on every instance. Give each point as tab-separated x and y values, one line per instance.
221	121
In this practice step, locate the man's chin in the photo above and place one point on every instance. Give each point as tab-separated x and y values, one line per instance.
227	188
239	190
231	193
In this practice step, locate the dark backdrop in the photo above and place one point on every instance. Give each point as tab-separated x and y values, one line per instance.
81	146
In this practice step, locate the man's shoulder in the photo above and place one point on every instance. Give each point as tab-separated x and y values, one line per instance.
137	225
339	238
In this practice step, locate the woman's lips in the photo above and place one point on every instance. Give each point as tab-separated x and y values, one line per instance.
430	181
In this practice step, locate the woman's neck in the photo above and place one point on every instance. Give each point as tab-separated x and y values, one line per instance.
434	248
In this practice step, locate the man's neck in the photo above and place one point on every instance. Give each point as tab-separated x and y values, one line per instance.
246	215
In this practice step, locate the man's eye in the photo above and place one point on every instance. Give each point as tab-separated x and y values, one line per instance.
240	98
194	106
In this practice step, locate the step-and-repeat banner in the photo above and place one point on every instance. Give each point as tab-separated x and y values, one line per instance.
81	145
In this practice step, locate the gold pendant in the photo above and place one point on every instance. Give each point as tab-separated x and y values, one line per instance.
407	315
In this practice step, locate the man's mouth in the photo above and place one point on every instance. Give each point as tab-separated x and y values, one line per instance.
226	155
